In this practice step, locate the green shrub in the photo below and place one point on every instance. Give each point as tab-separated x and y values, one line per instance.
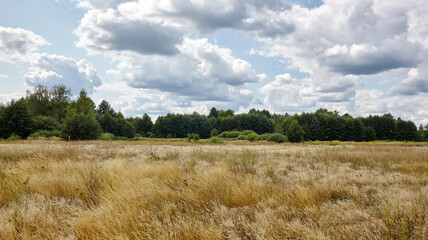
45	134
241	137
14	137
216	140
246	132
230	134
192	136
252	137
274	137
106	137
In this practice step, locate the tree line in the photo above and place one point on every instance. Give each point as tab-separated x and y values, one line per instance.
47	112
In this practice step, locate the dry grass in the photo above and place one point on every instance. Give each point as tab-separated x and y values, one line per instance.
156	190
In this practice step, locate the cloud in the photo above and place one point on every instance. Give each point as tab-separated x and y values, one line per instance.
353	37
100	4
365	59
110	31
50	70
201	71
7	97
415	82
17	44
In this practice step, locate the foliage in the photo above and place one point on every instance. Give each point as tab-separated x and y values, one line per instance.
14	137
45	123
216	140
81	127
295	133
144	125
230	134
16	119
369	134
106	137
45	134
252	137
214	132
192	136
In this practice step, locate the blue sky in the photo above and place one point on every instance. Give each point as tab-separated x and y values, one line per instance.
147	56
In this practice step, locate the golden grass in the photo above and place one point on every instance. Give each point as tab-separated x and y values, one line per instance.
162	190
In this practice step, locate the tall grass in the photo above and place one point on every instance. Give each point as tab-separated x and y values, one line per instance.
125	190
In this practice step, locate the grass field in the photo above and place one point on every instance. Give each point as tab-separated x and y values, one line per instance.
237	190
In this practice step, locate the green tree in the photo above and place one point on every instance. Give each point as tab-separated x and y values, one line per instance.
213	113
406	131
16	119
60	97
369	134
143	125
39	101
295	132
104	107
81	127
81	123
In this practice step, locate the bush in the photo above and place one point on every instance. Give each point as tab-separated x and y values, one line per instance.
45	134
216	140
192	136
246	132
274	137
106	137
252	137
14	137
241	137
230	134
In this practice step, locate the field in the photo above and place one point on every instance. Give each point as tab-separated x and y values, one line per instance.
236	190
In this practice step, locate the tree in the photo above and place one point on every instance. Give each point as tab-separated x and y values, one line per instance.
83	105
81	127
143	125
295	133
213	113
80	123
16	118
60	99
39	101
406	131
104	107
369	134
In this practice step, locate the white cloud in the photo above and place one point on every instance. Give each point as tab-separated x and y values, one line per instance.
7	97
50	70
201	71
109	30
415	82
17	44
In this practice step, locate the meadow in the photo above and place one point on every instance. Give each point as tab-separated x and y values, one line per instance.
198	190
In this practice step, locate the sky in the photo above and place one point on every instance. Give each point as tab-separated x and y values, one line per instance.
160	56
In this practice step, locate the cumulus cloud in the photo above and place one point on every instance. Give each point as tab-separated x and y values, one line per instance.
415	82
201	71
155	27
111	31
50	70
17	44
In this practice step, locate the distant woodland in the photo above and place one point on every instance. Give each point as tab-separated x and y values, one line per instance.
46	113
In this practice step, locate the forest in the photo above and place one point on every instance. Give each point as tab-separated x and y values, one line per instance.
46	113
